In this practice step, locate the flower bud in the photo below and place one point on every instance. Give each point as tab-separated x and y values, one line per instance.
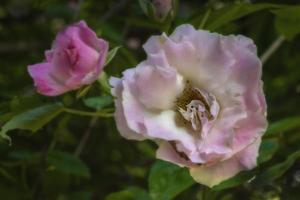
159	10
77	58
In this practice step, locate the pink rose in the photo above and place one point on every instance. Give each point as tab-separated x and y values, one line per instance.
76	59
199	96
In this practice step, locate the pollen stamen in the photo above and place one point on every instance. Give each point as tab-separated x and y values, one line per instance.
198	107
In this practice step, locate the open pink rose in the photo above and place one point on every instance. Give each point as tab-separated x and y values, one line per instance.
77	58
199	97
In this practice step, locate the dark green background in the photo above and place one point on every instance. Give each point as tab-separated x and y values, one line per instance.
27	28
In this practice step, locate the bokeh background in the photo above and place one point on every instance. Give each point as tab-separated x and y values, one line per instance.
40	165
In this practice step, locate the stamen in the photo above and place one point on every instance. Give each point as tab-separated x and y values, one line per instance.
191	113
198	107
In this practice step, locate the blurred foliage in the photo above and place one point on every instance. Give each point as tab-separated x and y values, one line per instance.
51	164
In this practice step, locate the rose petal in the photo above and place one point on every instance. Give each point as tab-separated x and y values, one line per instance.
212	175
44	81
226	67
166	152
157	87
91	50
122	126
159	125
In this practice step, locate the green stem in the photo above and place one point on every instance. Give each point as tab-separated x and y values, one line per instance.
203	197
103	80
85	137
24	180
53	143
166	27
85	113
273	47
77	12
205	194
204	20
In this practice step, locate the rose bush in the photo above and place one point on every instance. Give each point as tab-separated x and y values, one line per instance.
76	59
199	96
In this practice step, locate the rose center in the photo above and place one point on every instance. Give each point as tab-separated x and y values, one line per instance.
198	108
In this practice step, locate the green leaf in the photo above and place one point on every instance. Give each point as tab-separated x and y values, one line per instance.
143	23
167	180
68	163
237	180
62	133
17	105
98	102
267	149
287	21
7	175
25	155
33	119
5	117
283	125
111	54
11	192
148	8
131	193
144	5
23	103
103	80
277	170
231	12
83	91
111	33
81	195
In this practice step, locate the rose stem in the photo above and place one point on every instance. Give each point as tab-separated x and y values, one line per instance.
85	137
273	47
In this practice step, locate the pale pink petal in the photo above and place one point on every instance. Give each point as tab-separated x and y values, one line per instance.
212	175
159	125
163	126
157	87
122	126
167	153
227	67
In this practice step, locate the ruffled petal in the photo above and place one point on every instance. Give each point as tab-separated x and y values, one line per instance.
167	152
89	51
157	87
225	66
156	125
212	175
122	126
228	67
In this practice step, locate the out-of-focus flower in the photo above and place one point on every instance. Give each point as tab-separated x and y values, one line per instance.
133	43
77	58
162	7
158	9
199	96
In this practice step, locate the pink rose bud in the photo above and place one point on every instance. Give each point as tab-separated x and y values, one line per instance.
199	96
77	58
